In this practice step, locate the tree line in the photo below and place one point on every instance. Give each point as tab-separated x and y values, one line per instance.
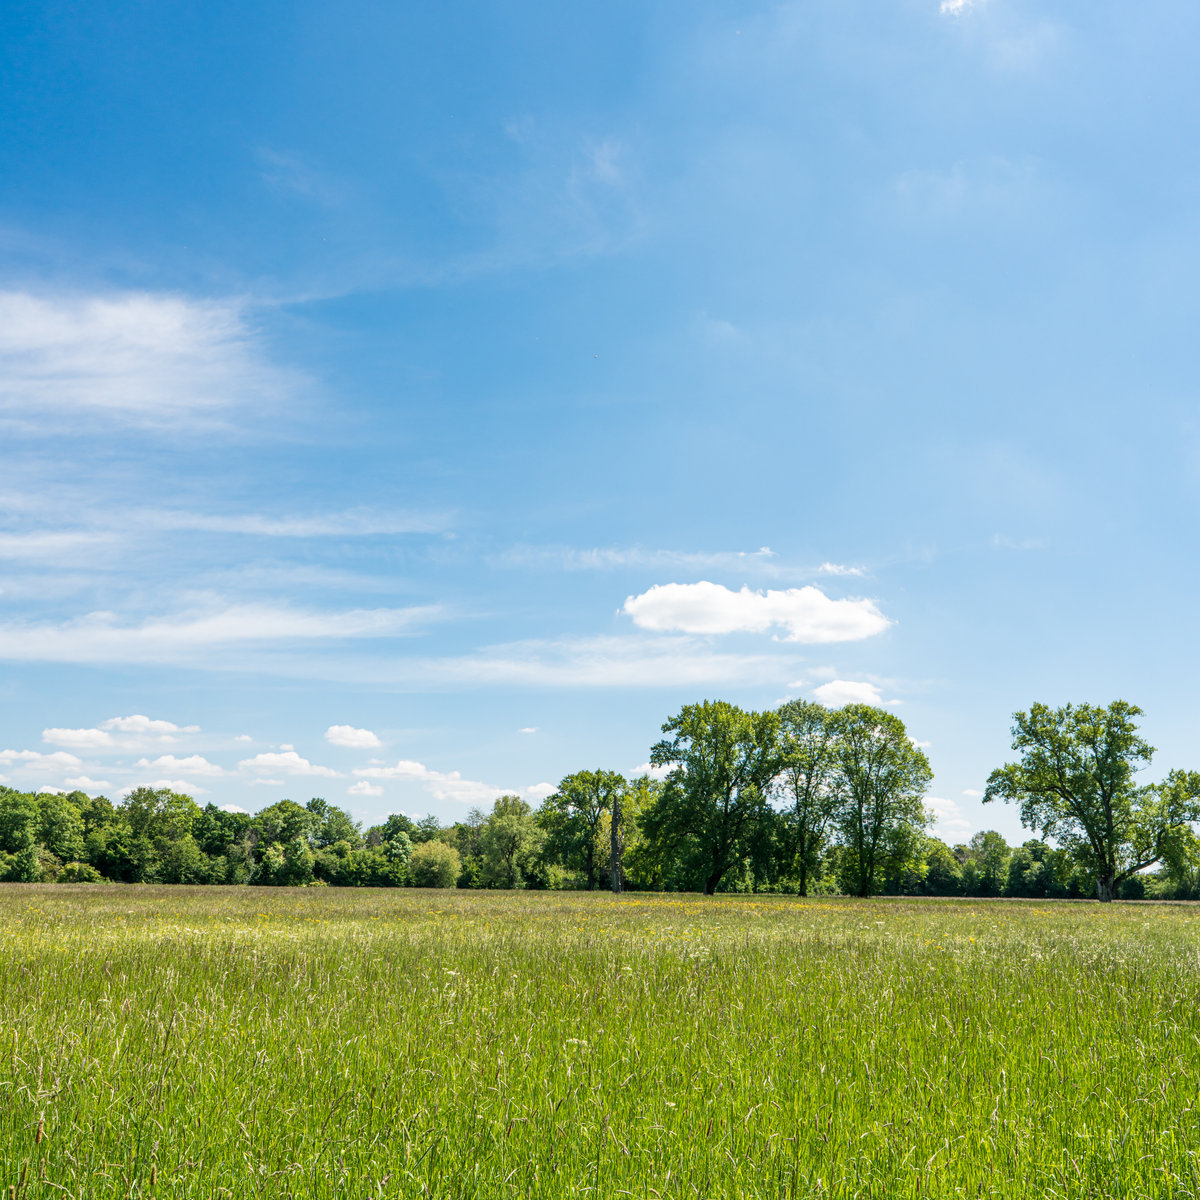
800	799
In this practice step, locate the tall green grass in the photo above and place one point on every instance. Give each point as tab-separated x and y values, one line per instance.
240	1042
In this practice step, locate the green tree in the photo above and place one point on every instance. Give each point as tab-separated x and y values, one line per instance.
434	865
285	820
509	843
60	827
713	807
990	853
331	824
573	818
1076	783
882	781
808	785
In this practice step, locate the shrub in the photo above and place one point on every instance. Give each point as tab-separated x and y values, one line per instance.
434	864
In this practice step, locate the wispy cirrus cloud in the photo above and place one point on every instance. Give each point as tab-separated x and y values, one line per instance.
104	637
763	562
604	662
135	357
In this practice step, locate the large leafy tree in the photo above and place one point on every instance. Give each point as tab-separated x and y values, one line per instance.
882	778
509	844
809	785
573	818
714	807
1076	782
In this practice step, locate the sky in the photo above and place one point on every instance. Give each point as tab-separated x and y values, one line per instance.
407	404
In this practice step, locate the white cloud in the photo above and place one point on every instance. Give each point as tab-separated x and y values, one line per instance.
355	523
169	785
231	808
363	788
243	737
829	568
46	790
847	691
287	761
266	783
921	745
806	613
33	760
143	724
972	793
101	637
450	785
57	546
602	662
650	769
119	733
528	729
949	822
956	8
193	764
78	739
83	784
134	356
354	739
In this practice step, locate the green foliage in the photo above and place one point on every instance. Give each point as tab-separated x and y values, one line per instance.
434	864
574	817
713	810
1076	783
509	844
809	786
882	778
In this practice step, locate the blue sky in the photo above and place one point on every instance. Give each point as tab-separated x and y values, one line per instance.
403	404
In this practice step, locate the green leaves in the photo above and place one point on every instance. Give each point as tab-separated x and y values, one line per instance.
1075	782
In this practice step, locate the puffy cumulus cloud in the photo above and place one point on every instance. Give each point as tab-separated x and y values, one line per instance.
351	738
650	769
193	764
78	739
119	733
166	785
364	788
82	783
139	723
135	357
34	760
287	762
528	729
832	568
805	614
949	822
233	808
450	785
847	691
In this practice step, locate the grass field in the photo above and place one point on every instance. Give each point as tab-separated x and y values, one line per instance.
207	1042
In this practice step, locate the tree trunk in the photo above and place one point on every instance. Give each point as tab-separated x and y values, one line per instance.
617	847
710	884
1106	889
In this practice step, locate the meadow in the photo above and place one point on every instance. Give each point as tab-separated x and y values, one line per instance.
315	1042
